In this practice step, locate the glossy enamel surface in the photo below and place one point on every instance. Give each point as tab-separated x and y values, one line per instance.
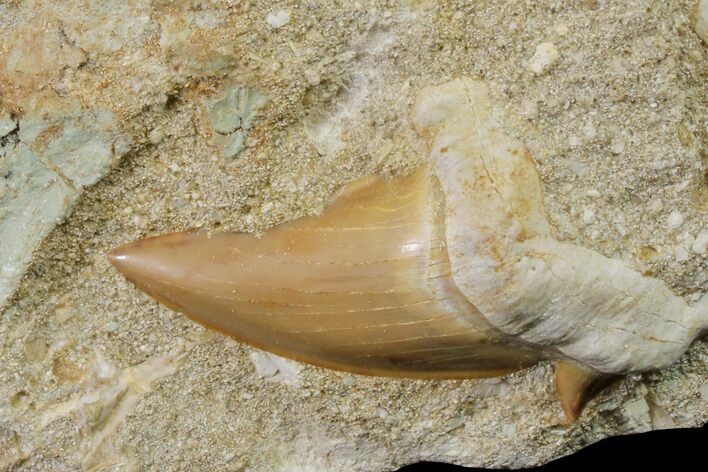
364	287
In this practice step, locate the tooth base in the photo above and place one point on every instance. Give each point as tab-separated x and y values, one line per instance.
553	295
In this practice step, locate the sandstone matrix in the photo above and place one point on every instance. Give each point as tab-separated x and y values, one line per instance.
123	119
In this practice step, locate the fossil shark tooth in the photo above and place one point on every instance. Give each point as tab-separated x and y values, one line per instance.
366	287
451	272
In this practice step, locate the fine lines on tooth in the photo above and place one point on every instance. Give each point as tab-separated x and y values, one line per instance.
371	327
418	351
195	291
400	275
428	360
337	229
302	291
288	260
363	310
396	210
414	338
336	312
325	292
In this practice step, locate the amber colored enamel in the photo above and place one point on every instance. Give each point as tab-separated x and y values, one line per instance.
364	288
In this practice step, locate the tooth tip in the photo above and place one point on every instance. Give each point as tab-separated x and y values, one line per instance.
122	257
154	257
116	256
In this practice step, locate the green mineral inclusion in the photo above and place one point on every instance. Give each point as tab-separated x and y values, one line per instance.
232	115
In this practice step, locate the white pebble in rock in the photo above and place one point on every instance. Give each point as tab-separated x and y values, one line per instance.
112	326
156	135
617	147
681	254
312	77
589	216
578	168
529	109
701	241
675	219
278	19
590	131
544	58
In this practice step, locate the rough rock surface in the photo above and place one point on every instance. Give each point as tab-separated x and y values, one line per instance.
115	121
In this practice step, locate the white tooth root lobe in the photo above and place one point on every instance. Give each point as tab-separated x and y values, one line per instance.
504	258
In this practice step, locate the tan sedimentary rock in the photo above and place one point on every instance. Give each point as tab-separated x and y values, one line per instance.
615	128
